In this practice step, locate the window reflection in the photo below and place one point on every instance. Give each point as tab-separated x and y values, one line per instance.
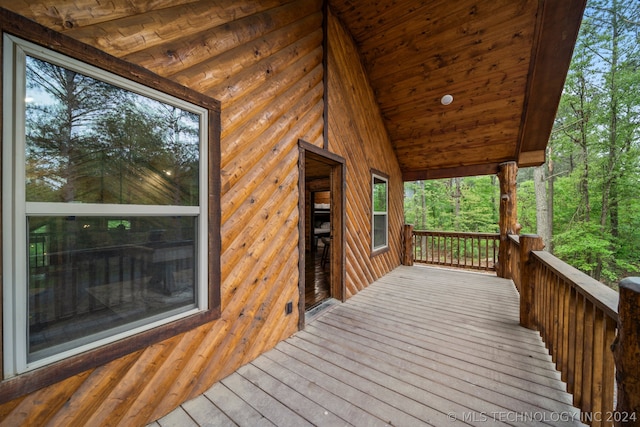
90	275
92	142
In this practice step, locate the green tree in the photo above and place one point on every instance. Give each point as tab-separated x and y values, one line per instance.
460	204
595	142
60	136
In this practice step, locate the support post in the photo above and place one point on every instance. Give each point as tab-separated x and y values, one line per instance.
507	175
626	353
407	256
528	243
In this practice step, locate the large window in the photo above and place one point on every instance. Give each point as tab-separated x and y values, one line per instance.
380	216
105	196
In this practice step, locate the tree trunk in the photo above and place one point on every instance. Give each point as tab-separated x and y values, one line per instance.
614	210
584	179
457	195
423	208
508	215
550	189
542	213
610	172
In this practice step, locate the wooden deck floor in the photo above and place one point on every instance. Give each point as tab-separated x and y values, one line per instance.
421	346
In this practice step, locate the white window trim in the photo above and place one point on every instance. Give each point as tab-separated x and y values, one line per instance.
15	208
374	248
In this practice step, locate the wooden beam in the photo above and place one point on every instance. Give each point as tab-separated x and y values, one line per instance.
508	214
528	243
531	158
407	255
338	231
556	33
455	172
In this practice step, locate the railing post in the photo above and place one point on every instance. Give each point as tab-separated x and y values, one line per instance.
528	243
508	214
626	351
407	256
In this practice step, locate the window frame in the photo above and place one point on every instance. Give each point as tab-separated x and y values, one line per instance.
377	250
13	384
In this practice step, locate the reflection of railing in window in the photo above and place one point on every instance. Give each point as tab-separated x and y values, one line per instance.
68	284
170	261
38	250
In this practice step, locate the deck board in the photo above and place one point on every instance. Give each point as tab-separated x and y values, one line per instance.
351	414
421	346
204	412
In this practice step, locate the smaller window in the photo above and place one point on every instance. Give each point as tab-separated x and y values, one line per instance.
380	216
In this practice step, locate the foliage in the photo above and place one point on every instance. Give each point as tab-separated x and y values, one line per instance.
527	207
582	245
463	204
596	144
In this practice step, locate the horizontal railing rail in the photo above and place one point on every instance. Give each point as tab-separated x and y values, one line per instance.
454	249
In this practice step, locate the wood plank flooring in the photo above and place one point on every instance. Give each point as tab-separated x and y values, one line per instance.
421	346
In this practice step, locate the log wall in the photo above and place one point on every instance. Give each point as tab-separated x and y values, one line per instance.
264	62
357	133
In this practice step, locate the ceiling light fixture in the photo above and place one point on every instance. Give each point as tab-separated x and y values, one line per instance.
446	100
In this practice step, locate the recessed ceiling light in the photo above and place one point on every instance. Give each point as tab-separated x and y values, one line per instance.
446	100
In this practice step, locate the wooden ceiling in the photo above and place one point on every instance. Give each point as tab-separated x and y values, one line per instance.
503	61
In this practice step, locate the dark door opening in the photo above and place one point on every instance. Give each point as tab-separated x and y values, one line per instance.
318	243
321	224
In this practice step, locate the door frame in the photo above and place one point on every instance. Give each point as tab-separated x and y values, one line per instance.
338	222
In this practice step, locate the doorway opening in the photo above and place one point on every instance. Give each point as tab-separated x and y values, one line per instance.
321	223
318	243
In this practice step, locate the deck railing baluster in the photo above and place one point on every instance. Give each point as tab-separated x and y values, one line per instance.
581	306
564	356
460	250
569	366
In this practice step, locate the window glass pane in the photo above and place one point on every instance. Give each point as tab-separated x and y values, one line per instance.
379	195
92	142
379	231
91	277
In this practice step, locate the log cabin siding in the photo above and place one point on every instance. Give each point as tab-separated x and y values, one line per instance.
264	62
357	133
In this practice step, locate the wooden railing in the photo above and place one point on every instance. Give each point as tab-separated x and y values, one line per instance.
580	320
462	250
576	317
513	269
